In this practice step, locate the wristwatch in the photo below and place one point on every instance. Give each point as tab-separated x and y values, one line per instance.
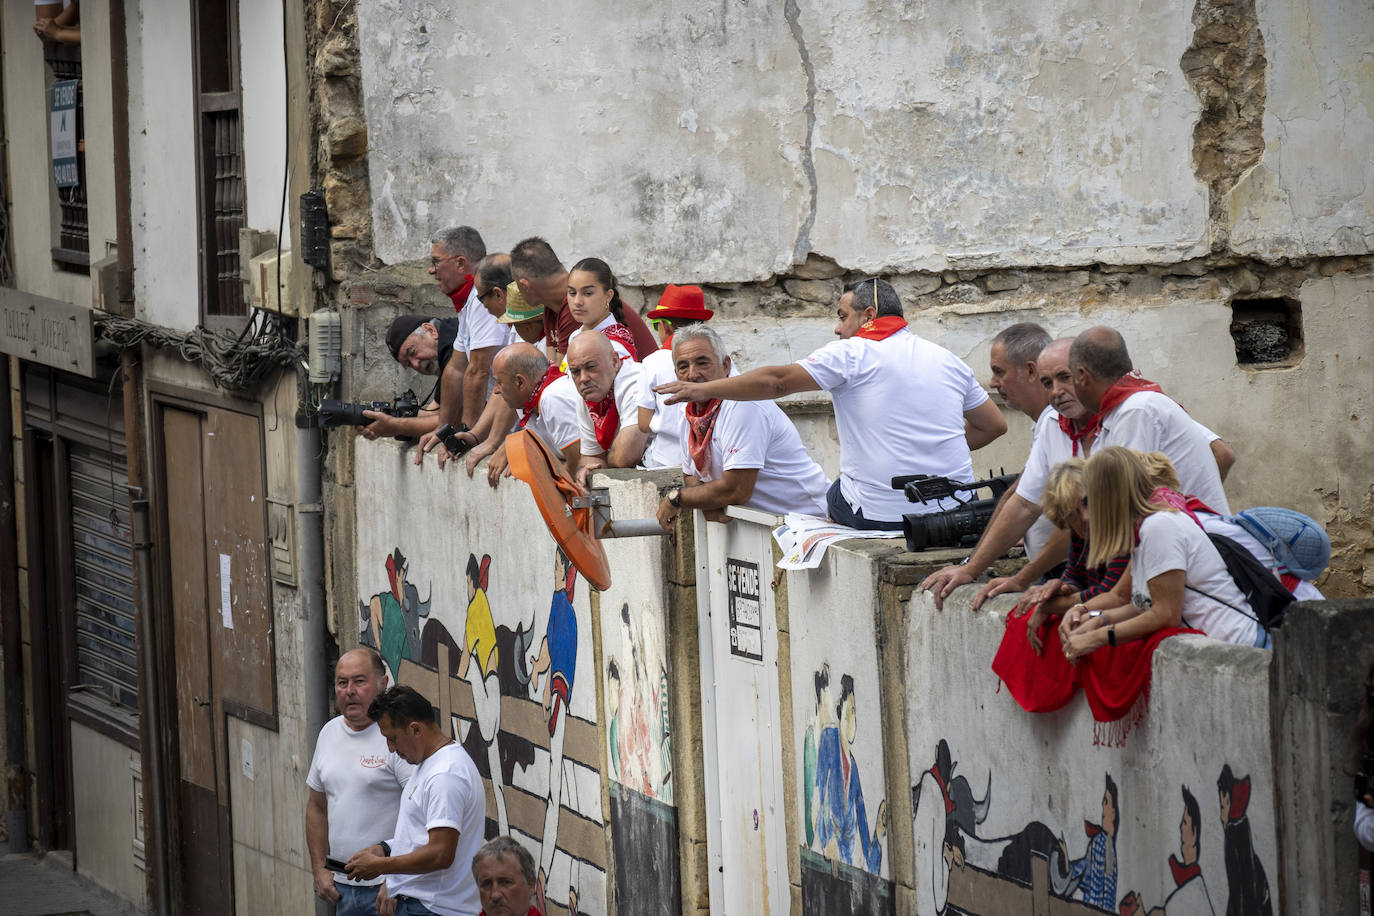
675	497
1111	635
386	848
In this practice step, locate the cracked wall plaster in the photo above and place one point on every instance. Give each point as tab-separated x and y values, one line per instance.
652	135
993	135
1313	192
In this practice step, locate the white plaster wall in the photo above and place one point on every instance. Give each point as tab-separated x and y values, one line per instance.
447	517
104	773
264	100
1208	706
1311	193
830	613
163	165
992	134
652	134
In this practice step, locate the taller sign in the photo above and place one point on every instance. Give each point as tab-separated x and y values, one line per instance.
47	331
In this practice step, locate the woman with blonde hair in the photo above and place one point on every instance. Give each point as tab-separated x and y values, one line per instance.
1177	577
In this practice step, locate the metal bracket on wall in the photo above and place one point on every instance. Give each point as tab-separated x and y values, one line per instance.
598	500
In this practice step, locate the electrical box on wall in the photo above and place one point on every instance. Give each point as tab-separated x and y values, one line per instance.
270	283
326	346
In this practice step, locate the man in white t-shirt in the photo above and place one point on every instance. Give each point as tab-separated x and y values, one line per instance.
903	405
679	307
355	784
1135	413
737	453
609	413
544	400
440	820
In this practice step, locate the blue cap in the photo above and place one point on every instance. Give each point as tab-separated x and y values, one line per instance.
1296	541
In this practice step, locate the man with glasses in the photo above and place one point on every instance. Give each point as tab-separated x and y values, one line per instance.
465	384
903	405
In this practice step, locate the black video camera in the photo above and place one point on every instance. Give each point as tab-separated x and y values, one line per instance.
958	527
448	434
340	413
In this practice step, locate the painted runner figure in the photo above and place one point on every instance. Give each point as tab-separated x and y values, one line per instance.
1097	869
842	811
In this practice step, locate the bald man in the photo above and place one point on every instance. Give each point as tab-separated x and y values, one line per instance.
609	413
355	784
544	401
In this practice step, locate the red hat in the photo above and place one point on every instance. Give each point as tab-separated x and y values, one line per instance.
681	302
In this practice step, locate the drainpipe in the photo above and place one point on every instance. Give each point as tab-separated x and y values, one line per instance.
154	775
310	527
16	740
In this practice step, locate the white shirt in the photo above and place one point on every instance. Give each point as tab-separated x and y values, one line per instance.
556	421
1046	427
1172	540
757	434
621	350
362	784
1148	421
669	423
446	791
1364	825
899	409
477	329
626	401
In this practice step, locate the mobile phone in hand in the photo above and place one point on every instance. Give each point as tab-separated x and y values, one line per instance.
334	864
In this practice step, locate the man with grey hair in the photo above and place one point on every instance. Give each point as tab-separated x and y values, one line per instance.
504	871
736	453
608	416
903	405
453	257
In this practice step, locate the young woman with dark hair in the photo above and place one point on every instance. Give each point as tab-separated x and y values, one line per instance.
595	302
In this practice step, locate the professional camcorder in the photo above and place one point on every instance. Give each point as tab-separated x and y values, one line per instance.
958	527
340	413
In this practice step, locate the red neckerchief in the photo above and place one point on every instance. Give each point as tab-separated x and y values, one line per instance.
1289	580
621	334
1240	799
1091	829
391	573
1183	873
1070	428
460	295
668	344
881	328
605	419
1120	390
532	404
944	792
701	422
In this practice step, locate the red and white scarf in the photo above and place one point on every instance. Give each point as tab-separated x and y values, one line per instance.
621	334
701	422
460	295
881	328
531	406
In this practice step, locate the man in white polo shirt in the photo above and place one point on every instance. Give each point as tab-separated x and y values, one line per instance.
737	453
545	402
609	413
440	820
1134	413
355	784
903	405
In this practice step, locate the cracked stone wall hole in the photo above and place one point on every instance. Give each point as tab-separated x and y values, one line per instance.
1267	332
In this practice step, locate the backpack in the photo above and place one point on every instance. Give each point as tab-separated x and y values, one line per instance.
1266	594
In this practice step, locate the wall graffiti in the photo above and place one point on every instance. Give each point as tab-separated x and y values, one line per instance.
962	869
508	689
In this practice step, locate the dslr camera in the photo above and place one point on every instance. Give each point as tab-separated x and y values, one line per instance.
957	527
340	413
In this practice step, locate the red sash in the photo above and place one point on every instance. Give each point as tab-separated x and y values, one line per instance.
881	328
605	419
701	422
1121	389
532	405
